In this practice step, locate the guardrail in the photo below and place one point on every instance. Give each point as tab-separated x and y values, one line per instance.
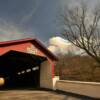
91	89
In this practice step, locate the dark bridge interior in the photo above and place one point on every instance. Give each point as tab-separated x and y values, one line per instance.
20	69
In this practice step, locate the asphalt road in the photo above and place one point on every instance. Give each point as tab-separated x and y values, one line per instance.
37	95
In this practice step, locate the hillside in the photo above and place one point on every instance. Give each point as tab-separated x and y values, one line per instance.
81	68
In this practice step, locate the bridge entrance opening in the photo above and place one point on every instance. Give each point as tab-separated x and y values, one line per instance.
20	70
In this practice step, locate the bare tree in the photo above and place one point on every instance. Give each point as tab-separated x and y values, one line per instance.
82	28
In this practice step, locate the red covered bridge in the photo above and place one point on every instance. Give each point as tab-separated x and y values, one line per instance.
26	62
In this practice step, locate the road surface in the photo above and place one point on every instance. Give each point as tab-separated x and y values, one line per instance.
37	95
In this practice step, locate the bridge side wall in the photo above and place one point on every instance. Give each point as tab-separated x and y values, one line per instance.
46	75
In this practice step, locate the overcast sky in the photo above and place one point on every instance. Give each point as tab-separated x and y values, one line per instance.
32	17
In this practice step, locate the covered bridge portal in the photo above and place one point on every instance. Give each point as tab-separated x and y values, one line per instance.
20	69
25	63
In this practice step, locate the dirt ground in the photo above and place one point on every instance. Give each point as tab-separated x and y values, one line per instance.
36	95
